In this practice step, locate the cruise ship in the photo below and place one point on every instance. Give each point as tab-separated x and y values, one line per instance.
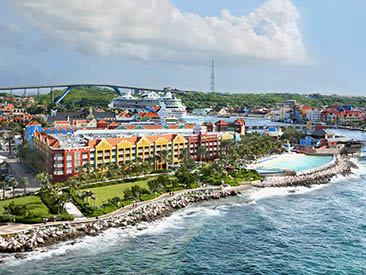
173	106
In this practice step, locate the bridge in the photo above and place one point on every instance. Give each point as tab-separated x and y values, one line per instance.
69	87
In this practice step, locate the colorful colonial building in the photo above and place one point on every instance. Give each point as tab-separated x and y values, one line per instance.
65	151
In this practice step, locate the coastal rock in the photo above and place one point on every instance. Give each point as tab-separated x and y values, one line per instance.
38	237
40	240
19	256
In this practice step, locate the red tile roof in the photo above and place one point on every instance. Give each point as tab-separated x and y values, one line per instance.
34	123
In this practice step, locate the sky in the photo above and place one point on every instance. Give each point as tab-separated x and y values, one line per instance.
258	46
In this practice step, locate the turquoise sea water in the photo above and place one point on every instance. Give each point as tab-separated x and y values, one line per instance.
263	231
298	163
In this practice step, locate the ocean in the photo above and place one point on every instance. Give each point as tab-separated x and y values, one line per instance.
319	230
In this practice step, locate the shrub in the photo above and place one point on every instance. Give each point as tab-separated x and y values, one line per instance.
160	171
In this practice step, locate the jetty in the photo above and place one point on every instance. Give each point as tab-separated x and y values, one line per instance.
321	175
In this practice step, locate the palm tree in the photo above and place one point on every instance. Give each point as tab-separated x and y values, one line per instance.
164	157
3	185
79	170
87	167
93	197
201	152
158	161
44	179
73	183
88	194
14	184
23	183
9	139
225	145
63	198
102	167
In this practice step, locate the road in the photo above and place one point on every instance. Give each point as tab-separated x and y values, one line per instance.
18	171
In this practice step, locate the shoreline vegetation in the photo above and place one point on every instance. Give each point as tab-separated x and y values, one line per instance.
47	235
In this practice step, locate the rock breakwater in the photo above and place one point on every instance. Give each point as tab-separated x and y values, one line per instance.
322	175
42	236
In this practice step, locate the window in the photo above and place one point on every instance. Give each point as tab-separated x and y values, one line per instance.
85	155
58	157
78	156
58	172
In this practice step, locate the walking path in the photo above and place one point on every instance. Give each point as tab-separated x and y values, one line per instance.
71	209
13	228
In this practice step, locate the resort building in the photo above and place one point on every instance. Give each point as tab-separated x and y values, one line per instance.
66	150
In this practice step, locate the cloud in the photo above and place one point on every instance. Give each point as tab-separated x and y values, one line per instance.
157	30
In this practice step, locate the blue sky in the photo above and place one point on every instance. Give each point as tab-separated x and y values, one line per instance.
258	45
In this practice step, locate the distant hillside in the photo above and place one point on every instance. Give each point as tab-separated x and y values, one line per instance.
93	96
101	97
204	100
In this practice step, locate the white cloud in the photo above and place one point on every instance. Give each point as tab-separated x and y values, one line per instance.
158	30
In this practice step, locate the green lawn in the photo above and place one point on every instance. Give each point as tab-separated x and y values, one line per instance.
37	206
108	192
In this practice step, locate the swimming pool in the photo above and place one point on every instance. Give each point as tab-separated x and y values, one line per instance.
297	162
269	171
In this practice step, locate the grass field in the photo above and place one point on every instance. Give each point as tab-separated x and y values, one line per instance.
36	205
108	192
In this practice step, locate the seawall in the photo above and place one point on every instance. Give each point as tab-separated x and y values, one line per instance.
42	236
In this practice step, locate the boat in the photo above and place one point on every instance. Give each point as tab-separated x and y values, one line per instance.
174	106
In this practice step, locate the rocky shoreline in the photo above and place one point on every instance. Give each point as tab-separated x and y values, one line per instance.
43	236
319	176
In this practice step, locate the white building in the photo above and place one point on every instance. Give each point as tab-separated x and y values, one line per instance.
315	115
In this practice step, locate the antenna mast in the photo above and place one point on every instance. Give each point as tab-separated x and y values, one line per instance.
213	88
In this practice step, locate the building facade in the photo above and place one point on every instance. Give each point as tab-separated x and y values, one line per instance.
65	154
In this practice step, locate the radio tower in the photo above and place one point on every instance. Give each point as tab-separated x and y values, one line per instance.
213	89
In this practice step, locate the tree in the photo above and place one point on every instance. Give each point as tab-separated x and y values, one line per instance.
9	139
292	135
3	185
201	152
164	157
88	194
16	209
185	176
72	183
128	194
87	167
225	145
93	197
44	179
24	182
14	184
154	185
187	160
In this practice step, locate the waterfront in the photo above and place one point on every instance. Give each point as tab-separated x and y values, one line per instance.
319	230
268	230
